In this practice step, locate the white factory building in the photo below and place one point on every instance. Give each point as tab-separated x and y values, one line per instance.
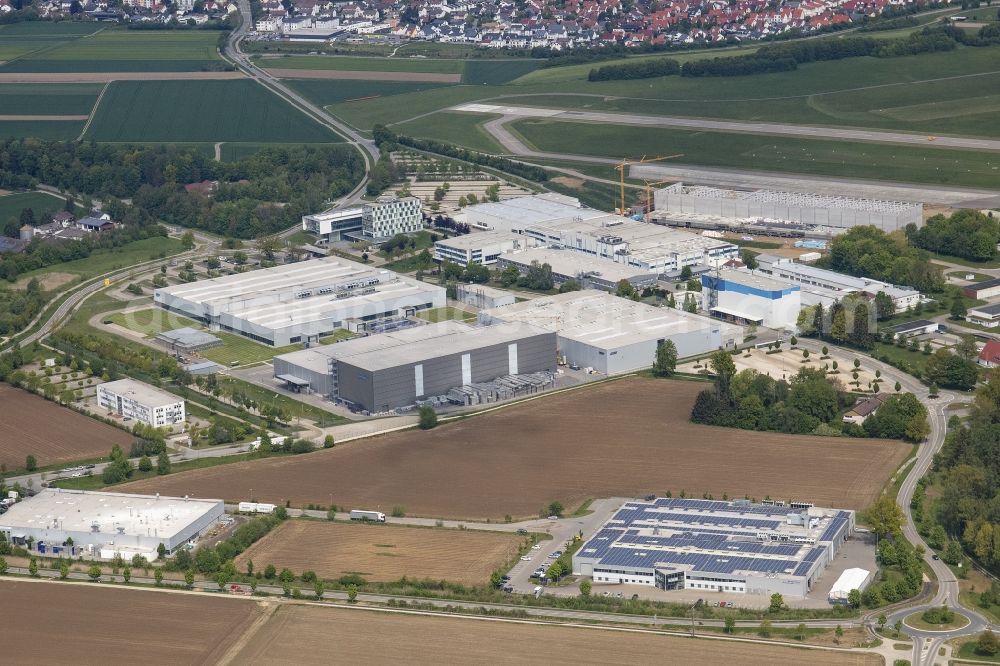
103	524
332	224
135	400
300	302
387	216
749	298
615	335
511	215
561	222
821	285
588	272
735	547
808	210
480	248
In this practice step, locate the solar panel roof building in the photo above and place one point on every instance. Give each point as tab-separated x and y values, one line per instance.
733	547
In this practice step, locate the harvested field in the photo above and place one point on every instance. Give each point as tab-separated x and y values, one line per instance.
61	623
301	635
363	76
383	553
104	77
31	425
629	437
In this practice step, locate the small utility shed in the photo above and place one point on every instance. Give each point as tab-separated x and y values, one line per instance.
913	328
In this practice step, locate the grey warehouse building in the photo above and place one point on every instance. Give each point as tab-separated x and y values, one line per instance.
300	302
614	335
731	547
393	370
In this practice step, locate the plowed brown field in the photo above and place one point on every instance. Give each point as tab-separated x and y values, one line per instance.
383	552
305	635
59	623
31	425
625	438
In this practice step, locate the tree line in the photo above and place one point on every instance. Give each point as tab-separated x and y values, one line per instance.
260	194
867	251
789	55
966	233
968	468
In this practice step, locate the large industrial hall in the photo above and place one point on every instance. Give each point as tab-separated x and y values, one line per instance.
300	302
614	335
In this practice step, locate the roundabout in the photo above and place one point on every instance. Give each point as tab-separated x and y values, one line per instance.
936	620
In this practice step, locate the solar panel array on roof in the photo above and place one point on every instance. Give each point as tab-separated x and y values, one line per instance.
714	537
836	526
809	561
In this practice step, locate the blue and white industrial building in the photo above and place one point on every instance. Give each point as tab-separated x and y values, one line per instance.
749	298
734	547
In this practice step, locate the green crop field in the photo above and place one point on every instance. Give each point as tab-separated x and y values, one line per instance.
56	99
768	153
497	72
43	204
50	29
331	92
200	111
359	64
50	130
118	50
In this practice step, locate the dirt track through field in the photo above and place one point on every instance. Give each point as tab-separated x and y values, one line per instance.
33	118
104	77
31	425
62	623
307	635
383	552
624	438
424	77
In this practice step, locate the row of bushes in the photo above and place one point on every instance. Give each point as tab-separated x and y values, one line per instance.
787	56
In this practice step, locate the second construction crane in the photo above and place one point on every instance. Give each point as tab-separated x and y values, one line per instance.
621	168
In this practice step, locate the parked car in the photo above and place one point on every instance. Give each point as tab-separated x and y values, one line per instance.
526	558
521	530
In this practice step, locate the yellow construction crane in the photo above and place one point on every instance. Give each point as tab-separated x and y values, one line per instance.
624	165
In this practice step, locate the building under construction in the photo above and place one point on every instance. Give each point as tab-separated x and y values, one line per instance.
771	209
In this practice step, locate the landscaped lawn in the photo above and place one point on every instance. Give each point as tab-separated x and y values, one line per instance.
42	204
300	409
153	321
446	313
915	164
105	261
237	350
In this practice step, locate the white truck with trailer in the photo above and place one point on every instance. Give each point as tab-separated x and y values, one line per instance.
255	507
374	516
